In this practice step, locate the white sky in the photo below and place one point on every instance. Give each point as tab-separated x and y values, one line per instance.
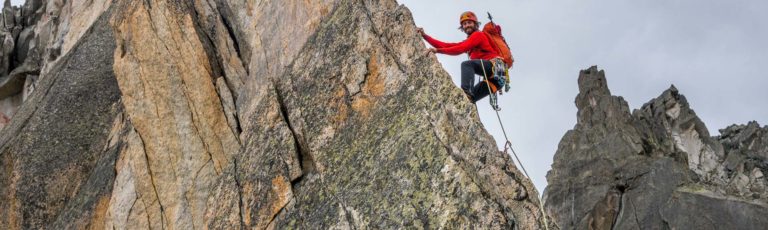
711	50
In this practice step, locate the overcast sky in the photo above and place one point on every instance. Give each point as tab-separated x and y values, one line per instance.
715	52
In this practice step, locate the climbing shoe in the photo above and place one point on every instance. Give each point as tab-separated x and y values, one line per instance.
469	96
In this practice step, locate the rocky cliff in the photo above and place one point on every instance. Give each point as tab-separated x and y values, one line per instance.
126	114
655	168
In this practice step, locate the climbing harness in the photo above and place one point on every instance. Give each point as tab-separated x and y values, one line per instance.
504	82
499	79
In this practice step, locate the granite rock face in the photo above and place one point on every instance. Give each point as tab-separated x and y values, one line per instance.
19	56
242	114
35	37
655	168
59	150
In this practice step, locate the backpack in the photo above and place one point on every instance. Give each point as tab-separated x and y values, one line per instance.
500	76
493	32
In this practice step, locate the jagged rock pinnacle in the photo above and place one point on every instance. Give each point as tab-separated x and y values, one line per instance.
651	168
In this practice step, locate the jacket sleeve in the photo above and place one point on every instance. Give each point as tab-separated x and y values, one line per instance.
437	43
463	46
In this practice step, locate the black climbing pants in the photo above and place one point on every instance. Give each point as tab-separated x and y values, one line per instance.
468	70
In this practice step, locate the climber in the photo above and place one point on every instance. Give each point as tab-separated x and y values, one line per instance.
481	53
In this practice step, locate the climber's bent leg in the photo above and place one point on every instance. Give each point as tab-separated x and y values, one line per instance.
480	91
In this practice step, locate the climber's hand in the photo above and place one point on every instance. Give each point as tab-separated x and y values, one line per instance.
420	31
430	50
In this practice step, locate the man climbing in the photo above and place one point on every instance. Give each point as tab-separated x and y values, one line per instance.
480	51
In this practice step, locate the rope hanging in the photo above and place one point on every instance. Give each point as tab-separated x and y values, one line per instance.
508	144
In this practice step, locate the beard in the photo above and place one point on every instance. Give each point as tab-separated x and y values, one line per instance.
470	30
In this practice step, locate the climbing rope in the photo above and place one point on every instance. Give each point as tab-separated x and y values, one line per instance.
508	144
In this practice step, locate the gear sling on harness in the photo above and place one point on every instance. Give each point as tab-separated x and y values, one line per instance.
498	79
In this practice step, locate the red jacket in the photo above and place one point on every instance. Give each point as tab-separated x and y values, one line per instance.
477	44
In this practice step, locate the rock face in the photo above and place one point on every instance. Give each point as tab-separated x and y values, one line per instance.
19	56
655	168
59	150
35	37
242	114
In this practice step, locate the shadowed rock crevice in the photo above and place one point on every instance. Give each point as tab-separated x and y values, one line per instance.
239	188
152	179
232	36
306	163
228	13
620	189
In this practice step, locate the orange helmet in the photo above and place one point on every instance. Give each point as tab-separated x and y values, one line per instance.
467	16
